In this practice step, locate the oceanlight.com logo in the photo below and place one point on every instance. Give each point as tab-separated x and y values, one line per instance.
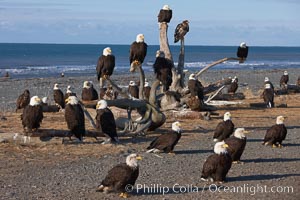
213	188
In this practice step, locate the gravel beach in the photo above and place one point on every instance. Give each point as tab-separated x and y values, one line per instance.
47	169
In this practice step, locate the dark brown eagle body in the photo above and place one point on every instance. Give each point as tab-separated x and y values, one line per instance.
223	130
233	86
284	80
216	167
133	90
88	92
32	117
105	66
23	100
147	90
119	177
242	52
58	97
275	135
196	89
74	117
163	71
165	142
181	30
164	16
236	147
105	121
268	96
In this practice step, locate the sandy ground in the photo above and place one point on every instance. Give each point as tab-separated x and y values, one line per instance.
47	169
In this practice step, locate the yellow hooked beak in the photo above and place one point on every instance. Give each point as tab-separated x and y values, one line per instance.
139	158
225	146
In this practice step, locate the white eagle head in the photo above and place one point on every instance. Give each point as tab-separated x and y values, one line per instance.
69	89
35	100
45	99
240	133
102	104
192	77
267	79
285	73
227	116
147	84
160	54
243	45
86	84
166	7
132	159
220	148
140	38
72	100
55	86
107	51
280	120
176	126
132	83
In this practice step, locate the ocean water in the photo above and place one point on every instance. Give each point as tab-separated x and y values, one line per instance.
50	60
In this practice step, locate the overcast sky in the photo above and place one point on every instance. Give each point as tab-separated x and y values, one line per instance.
212	22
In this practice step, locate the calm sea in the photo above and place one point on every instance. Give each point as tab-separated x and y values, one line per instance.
50	60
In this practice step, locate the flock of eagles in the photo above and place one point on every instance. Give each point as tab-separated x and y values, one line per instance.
229	142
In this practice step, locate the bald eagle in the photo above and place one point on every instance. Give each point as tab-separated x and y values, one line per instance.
195	87
23	100
32	116
224	129
284	79
147	89
58	97
165	14
276	134
236	144
163	70
268	96
88	92
105	65
233	86
74	117
242	52
69	93
138	51
121	176
216	166
267	81
133	89
167	141
105	121
181	30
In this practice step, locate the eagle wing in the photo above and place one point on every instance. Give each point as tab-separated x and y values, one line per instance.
219	129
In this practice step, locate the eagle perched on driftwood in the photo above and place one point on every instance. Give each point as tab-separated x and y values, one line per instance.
181	30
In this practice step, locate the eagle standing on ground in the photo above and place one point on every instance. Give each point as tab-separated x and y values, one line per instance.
105	121
224	129
236	144
133	89
163	70
58	97
165	14
74	117
181	30
69	93
23	100
284	79
105	65
268	96
88	92
276	134
233	86
242	52
138	51
32	116
167	141
121	176
216	166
